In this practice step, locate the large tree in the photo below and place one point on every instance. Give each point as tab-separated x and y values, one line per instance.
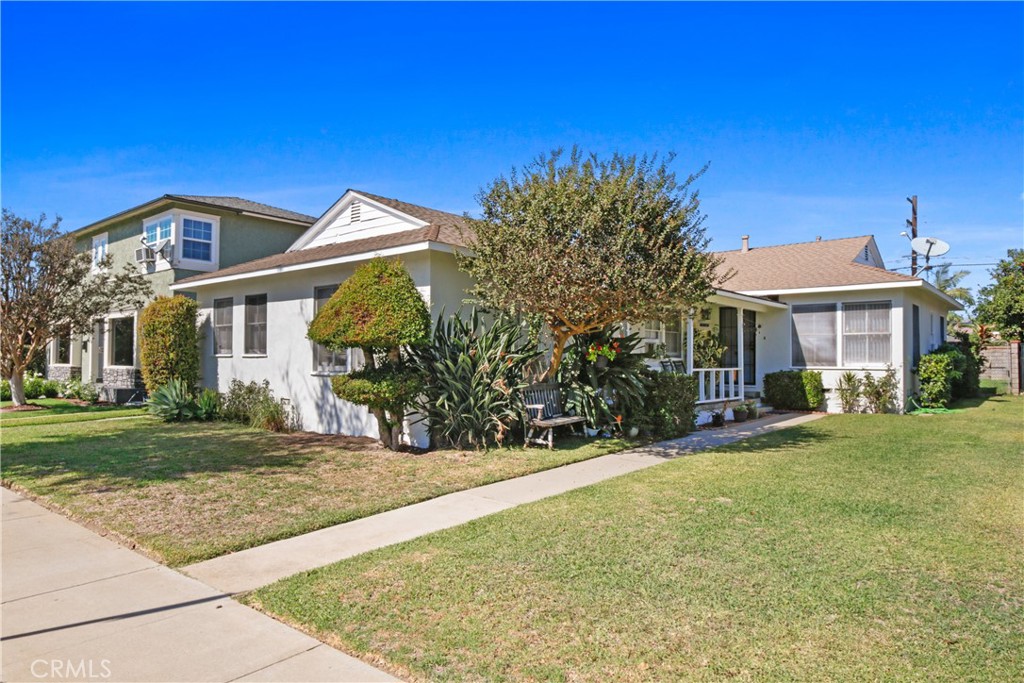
48	288
949	282
583	243
1001	304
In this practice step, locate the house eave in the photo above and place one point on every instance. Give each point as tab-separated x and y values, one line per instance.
908	284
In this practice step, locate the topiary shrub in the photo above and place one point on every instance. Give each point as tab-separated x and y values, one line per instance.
379	310
670	409
169	342
794	389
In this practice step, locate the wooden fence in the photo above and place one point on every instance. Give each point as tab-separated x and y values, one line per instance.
1003	363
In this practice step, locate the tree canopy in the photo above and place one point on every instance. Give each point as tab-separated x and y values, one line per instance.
48	288
1001	304
584	243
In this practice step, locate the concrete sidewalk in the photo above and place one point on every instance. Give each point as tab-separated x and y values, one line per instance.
77	606
250	569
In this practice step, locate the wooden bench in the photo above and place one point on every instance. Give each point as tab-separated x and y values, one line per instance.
544	411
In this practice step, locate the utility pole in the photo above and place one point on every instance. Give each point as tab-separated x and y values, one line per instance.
912	224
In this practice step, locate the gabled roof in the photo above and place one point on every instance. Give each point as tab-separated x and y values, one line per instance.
805	265
431	216
235	204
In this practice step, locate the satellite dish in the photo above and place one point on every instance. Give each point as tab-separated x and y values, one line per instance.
159	247
929	246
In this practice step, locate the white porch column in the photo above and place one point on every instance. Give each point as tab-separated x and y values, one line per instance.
689	343
740	349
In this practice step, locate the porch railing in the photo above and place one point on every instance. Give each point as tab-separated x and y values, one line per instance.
718	384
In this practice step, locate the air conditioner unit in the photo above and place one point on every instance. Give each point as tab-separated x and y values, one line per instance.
145	255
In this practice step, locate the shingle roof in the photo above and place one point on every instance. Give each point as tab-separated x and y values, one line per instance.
236	204
239	204
828	263
444	234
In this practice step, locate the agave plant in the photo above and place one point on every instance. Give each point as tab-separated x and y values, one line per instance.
172	402
207	405
473	372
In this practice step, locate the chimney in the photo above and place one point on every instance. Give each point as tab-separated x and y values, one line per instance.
746	243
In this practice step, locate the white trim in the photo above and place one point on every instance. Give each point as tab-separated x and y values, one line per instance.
746	298
957	306
350	258
104	239
339	207
178	228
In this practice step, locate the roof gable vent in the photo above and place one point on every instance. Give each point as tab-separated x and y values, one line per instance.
355	211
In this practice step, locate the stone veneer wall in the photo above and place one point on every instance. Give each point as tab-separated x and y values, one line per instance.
63	373
115	379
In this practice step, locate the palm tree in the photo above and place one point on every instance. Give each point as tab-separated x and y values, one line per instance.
949	283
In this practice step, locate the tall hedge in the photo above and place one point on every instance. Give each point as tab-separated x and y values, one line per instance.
794	389
169	341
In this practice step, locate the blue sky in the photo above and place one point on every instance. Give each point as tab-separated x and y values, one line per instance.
817	119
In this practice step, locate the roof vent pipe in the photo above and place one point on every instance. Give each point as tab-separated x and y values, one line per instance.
746	243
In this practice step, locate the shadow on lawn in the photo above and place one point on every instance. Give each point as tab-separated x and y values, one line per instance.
133	455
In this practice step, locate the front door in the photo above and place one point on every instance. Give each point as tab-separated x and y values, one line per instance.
99	354
750	347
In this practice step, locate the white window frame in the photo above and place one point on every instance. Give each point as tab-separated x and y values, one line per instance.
156	220
197	240
179	242
100	243
230	327
318	369
54	357
842	334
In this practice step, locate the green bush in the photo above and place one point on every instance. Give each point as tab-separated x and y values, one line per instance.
390	387
5	390
937	372
169	342
473	377
881	393
51	388
254	404
602	391
794	389
83	391
35	386
848	387
670	408
172	402
968	381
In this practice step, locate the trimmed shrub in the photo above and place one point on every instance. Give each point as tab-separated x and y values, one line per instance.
936	373
473	376
794	389
172	402
881	393
51	388
390	387
5	390
670	408
169	342
35	386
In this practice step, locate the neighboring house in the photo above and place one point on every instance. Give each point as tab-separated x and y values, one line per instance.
168	239
827	305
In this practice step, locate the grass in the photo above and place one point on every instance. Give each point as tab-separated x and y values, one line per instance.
857	547
58	410
189	492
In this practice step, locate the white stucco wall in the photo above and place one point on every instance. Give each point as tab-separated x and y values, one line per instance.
288	363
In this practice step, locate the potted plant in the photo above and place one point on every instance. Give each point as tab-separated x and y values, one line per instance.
602	354
717	418
752	411
739	413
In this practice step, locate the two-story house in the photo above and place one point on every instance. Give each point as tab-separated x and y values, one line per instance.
169	238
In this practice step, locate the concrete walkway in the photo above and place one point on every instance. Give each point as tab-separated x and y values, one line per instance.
249	569
77	606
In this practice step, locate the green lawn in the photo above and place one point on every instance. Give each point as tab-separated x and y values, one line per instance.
57	410
188	492
857	547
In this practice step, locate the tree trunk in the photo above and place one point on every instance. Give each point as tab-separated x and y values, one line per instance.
561	338
396	436
17	380
383	431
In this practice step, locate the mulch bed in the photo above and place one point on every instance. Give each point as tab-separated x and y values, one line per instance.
34	406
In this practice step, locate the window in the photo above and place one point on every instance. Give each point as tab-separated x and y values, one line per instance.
729	336
122	343
256	324
651	329
223	317
99	249
157	230
814	335
62	349
197	239
324	360
674	338
916	339
867	336
749	347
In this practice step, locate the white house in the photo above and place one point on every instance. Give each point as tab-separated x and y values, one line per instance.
827	305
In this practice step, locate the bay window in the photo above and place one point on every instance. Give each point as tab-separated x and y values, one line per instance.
197	239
